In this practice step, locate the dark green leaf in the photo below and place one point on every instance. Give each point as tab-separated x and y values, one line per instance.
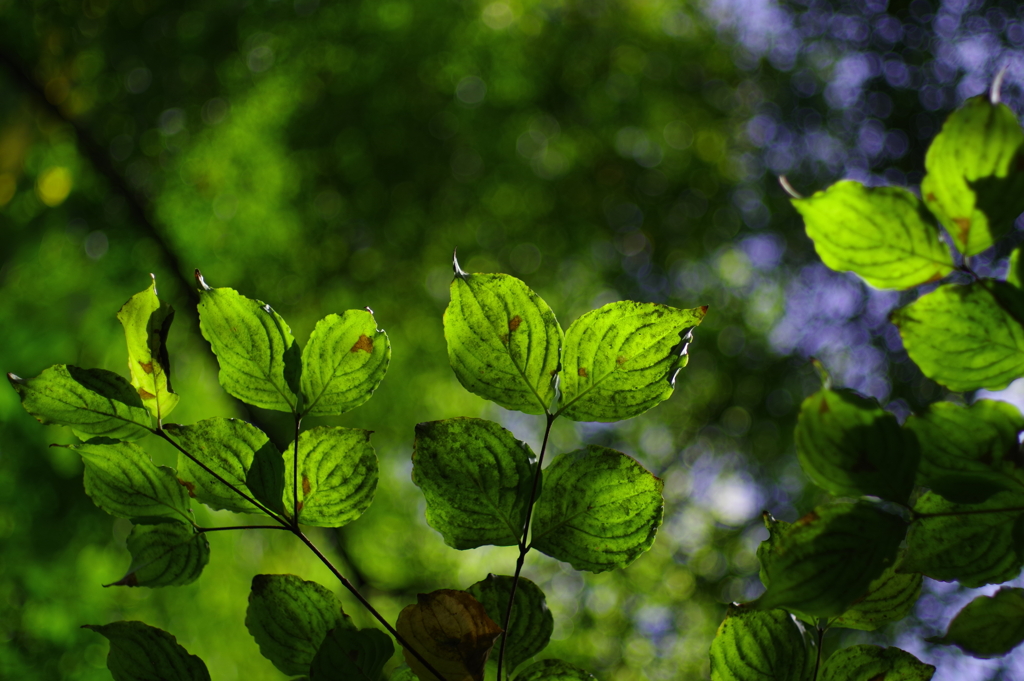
503	341
599	510
531	624
290	617
969	454
94	402
265	478
139	652
850	446
343	363
975	544
165	552
872	663
621	359
124	481
756	646
228	447
974	183
988	626
337	476
259	360
476	478
146	320
891	597
881	233
554	670
821	564
350	655
966	337
403	673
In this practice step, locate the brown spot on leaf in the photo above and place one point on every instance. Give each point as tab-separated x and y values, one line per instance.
504	338
514	323
365	343
620	359
963	227
582	372
807	519
823	408
930	196
306	487
190	486
146	366
935	277
703	310
127	580
145	394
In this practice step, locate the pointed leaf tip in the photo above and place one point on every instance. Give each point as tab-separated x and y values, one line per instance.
201	283
788	188
703	310
455	265
13	378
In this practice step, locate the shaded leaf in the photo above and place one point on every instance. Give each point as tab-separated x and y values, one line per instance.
873	663
531	624
890	598
265	478
165	552
350	655
93	402
290	617
139	652
599	509
988	626
146	320
337	476
476	478
258	358
343	363
755	646
452	631
554	670
882	234
503	341
621	359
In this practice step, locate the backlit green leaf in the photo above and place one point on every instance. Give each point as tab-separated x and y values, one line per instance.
337	476
873	663
146	320
965	337
890	598
975	544
988	626
974	183
599	509
290	617
226	446
165	552
123	481
969	453
821	564
350	655
554	670
258	358
1015	273
94	402
343	363
531	624
849	445
882	234
503	341
621	359
139	652
476	478
756	646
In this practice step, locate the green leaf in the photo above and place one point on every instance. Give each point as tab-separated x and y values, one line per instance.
94	402
343	363
476	478
974	183
821	564
265	478
849	445
1015	272
403	673
975	544
290	617
228	447
969	454
350	655
123	481
531	624
337	476
966	337
890	598
503	341
259	360
758	646
988	626
599	509
622	359
554	670
165	552
882	234
146	320
872	663
139	652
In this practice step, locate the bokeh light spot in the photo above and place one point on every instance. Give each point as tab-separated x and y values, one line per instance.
54	185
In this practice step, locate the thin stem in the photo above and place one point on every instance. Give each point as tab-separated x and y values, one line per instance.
817	661
295	474
243	527
524	548
366	604
980	511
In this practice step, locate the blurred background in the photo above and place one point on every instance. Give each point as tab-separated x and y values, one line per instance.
322	155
